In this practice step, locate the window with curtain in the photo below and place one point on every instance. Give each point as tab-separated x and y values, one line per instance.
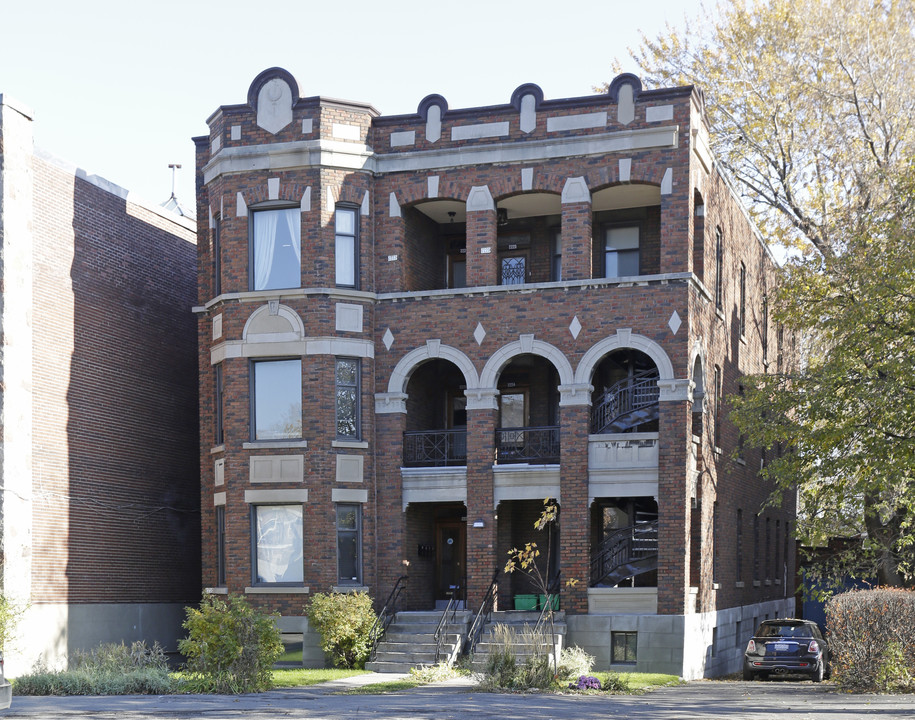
277	543
346	246
621	251
276	249
277	401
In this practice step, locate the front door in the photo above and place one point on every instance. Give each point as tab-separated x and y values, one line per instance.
451	556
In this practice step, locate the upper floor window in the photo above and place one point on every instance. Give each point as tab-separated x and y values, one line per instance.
719	262
346	385
556	257
742	315
621	251
276	249
217	258
218	398
276	399
346	246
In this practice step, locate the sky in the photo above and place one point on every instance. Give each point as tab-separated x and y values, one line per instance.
119	88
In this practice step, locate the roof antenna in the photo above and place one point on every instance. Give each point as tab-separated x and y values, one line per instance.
173	167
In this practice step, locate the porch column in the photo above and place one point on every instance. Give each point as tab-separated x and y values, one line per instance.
482	255
674	423
675	214
482	414
577	240
574	513
387	539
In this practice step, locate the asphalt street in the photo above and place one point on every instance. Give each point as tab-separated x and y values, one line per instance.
453	700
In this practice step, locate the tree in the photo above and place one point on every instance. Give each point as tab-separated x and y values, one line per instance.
811	112
809	103
846	417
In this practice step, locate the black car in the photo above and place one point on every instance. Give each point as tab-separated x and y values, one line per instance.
6	690
787	646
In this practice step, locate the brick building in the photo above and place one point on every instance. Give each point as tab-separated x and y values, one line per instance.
99	505
414	328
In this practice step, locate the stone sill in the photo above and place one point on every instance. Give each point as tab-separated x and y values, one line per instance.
216	591
276	590
274	444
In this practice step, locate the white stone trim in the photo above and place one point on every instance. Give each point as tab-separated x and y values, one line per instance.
219	499
433	485
277	590
527	179
432	186
572	395
528	114
482	398
390	403
674	390
276	469
241	208
349	495
625	166
273	188
667	186
403	138
576	190
393	206
525	482
309	346
433	124
346	131
585	121
350	468
284	311
624	338
659	113
348	317
625	104
479	198
480	130
276	496
219	472
432	349
501	357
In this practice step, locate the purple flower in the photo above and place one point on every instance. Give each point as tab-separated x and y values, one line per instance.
586	682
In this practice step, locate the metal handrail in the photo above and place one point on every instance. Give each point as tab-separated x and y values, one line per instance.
440	630
386	616
620	547
624	397
482	616
434	448
526	444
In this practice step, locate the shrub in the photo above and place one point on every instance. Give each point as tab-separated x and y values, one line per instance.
107	670
870	639
231	646
344	621
10	614
574	662
503	671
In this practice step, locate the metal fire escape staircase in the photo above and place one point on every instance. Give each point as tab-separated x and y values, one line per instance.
627	404
625	553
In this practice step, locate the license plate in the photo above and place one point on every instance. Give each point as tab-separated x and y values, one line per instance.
781	647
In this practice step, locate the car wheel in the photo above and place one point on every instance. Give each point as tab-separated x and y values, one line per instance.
819	673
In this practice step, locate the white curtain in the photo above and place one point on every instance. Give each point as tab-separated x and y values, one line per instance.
346	260
294	223
264	242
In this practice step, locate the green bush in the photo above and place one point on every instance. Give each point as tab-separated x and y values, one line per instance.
230	647
870	639
344	621
503	671
108	670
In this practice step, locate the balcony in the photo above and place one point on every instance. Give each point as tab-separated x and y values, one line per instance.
623	464
435	448
532	445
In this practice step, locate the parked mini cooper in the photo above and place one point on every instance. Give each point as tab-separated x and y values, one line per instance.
787	646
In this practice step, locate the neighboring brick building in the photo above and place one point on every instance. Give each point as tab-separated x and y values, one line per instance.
414	328
99	505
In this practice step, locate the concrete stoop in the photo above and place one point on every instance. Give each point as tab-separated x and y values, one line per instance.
410	641
521	622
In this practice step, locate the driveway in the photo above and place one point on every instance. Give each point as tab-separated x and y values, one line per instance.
453	700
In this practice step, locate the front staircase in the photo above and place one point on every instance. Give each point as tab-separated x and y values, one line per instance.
626	404
520	622
410	641
625	553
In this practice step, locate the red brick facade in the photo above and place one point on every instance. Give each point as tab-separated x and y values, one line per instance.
450	203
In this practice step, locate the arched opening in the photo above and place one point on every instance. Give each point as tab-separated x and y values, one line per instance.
626	393
436	423
624	541
528	426
627	230
435	245
528	238
698	398
699	236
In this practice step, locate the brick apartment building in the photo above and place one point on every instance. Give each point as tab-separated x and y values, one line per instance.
414	328
99	505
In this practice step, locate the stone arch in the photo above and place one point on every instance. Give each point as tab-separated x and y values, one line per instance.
623	339
273	323
697	364
432	350
525	345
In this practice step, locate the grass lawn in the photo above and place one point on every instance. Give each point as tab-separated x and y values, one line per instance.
301	677
638	682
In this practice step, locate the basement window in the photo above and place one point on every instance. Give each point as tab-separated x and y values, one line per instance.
623	648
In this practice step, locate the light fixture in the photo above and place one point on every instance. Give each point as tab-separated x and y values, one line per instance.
501	216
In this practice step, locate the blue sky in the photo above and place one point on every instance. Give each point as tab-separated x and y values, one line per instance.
119	88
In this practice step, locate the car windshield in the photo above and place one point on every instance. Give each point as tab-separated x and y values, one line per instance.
785	631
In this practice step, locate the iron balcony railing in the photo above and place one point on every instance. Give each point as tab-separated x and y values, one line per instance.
617	409
527	444
625	552
434	448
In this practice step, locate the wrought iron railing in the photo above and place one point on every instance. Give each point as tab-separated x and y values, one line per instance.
386	616
440	635
622	399
625	552
483	615
434	448
527	444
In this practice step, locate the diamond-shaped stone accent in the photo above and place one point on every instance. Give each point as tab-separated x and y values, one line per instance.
575	327
479	334
674	323
388	338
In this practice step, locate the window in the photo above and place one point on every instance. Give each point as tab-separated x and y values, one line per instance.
220	545
276	249
785	551
346	380
621	251
623	647
346	247
277	544
717	408
217	258
756	548
556	258
349	544
765	330
719	262
738	571
778	539
716	538
742	310
219	438
768	548
514	269
276	399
